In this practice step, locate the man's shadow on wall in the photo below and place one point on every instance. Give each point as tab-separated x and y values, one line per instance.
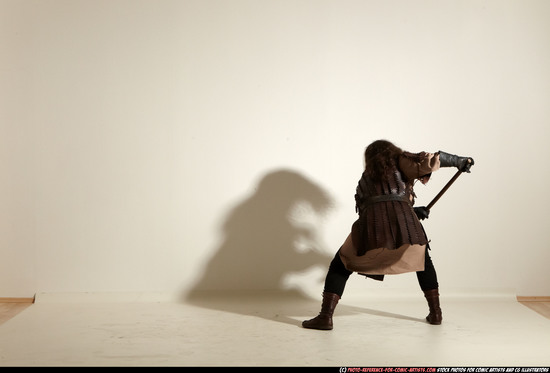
260	246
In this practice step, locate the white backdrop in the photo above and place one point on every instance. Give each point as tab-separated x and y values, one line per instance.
165	146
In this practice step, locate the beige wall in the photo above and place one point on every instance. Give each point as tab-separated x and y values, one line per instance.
159	145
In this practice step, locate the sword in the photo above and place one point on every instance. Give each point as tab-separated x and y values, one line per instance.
447	186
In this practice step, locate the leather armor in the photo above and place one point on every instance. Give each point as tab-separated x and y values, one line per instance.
386	217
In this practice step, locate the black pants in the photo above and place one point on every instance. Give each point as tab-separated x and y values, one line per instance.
338	275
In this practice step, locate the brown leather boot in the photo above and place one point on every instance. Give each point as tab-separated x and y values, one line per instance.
435	317
323	321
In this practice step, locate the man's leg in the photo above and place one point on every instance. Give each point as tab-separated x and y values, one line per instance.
335	282
427	279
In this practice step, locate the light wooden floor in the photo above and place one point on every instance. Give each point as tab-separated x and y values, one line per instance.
11	308
540	305
265	330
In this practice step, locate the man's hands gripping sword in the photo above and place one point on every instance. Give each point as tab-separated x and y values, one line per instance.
447	160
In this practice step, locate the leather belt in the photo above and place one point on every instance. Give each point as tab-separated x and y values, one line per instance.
386	198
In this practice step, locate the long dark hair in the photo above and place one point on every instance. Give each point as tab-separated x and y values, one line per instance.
381	157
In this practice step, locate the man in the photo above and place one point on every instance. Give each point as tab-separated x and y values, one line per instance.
388	237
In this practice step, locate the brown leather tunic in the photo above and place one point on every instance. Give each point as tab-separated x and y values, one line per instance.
388	237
